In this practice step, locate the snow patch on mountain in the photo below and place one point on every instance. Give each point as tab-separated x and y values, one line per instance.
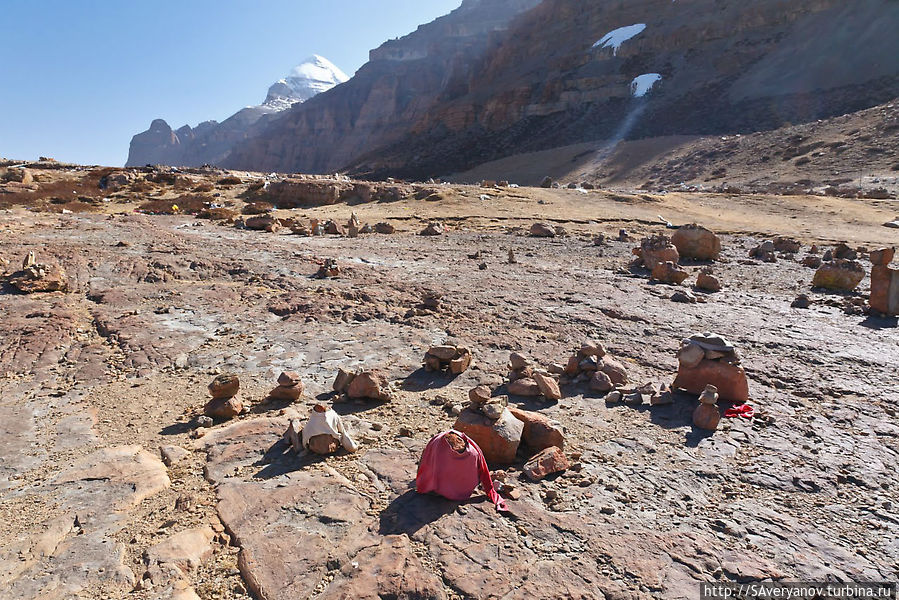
641	84
313	76
616	37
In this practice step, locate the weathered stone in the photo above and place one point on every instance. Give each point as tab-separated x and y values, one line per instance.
730	380
707	416
480	394
667	272
543	230
662	396
172	455
263	223
593	349
343	380
518	361
600	382
369	384
803	301
707	282
839	275
614	369
539	431
445	353
884	290
497	439
223	408
882	257
460	365
224	386
811	261
385	228
185	551
690	355
37	278
524	386
287	394
546	462
764	252
684	297
548	386
432	229
844	252
289	379
787	245
696	242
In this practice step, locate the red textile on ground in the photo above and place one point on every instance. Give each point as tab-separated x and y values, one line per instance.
455	475
742	410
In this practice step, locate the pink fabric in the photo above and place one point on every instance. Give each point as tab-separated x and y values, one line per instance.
453	475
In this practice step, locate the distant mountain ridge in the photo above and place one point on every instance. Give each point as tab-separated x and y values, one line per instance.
210	142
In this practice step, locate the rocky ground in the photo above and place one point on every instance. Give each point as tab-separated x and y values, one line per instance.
109	490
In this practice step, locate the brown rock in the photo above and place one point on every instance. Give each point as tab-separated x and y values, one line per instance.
185	551
707	282
885	290
811	261
224	386
543	230
518	361
696	242
432	229
287	394
445	353
882	257
593	349
539	431
461	364
289	379
548	386
546	462
480	395
730	380
323	445
385	228
839	275
263	223
37	278
600	382
667	272
524	386
690	355
614	369
223	408
707	416
343	380
369	384
573	366
787	245
497	439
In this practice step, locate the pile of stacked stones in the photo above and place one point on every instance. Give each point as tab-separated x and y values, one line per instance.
38	277
709	359
290	387
455	359
839	270
592	363
661	255
525	380
884	283
328	269
363	385
225	403
707	416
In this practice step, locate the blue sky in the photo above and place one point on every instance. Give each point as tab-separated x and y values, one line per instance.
79	77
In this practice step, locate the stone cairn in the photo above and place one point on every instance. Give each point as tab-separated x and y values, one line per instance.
38	277
525	380
884	283
707	416
328	269
225	403
709	359
455	359
363	385
290	388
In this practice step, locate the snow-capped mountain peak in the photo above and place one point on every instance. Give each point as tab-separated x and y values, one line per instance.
313	76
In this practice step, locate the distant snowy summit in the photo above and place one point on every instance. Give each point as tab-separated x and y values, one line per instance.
210	141
313	76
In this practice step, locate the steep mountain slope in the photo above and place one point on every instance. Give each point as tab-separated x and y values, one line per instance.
569	71
210	142
399	87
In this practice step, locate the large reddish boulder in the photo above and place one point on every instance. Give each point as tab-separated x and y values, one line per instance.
840	275
539	431
696	242
497	439
548	461
730	379
369	385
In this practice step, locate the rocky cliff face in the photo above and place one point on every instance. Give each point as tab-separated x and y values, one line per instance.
210	141
467	89
402	82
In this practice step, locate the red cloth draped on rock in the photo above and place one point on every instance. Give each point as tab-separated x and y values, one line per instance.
455	475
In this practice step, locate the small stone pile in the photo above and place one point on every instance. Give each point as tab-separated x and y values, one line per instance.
225	403
709	359
707	416
592	363
524	380
765	252
328	269
38	277
497	435
363	385
290	387
434	228
455	359
656	249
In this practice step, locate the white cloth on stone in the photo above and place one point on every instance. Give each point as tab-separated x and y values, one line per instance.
328	423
